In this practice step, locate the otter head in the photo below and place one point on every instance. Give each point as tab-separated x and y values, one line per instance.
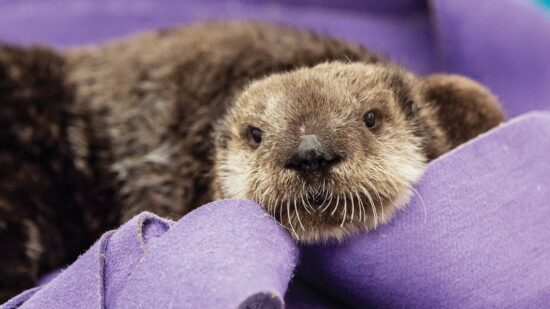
327	150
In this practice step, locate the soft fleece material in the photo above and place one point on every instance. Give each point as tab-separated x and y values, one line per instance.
476	235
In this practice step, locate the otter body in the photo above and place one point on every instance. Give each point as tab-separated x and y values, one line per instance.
169	120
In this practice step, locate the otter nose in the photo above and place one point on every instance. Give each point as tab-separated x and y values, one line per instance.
311	156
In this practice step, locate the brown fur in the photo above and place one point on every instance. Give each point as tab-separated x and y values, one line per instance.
93	136
469	110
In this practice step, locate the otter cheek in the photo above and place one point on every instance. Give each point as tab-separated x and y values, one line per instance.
235	174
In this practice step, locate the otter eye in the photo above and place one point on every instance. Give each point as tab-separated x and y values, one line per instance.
254	136
370	119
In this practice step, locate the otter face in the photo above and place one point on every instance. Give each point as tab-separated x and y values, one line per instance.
327	151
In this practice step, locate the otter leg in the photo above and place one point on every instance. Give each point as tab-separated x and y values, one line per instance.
37	189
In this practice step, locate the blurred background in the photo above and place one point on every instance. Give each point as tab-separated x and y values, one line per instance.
504	44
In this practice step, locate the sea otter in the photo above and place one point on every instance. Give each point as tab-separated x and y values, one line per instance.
325	135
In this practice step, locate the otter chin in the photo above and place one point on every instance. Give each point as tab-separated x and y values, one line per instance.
329	150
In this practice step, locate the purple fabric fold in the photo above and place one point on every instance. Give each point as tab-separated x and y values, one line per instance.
98	274
226	254
475	235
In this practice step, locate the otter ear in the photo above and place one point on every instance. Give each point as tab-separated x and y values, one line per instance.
464	108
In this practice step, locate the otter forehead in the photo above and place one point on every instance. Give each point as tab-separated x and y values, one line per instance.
336	91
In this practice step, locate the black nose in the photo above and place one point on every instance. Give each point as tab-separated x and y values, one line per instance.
311	156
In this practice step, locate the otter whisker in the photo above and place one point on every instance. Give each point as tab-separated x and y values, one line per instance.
275	204
283	226
281	213
345	211
421	201
298	215
272	207
279	222
352	208
266	205
324	199
337	203
348	59
306	205
373	187
255	181
322	203
367	194
361	205
375	216
290	220
261	199
373	207
328	204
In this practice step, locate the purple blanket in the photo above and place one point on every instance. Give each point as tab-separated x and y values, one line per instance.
476	234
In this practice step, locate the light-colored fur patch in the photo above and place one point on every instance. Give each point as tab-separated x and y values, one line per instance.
235	174
33	246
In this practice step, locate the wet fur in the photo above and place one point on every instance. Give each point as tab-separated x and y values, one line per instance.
91	137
